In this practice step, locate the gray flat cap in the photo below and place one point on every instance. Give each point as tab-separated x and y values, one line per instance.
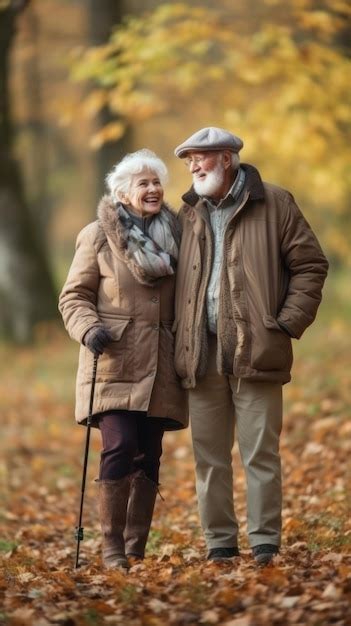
210	138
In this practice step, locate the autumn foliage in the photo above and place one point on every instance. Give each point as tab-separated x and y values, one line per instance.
279	79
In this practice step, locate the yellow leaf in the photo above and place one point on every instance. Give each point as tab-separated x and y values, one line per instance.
95	102
110	132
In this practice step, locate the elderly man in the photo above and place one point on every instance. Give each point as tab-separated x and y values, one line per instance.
250	277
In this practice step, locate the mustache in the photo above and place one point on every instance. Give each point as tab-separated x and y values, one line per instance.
211	183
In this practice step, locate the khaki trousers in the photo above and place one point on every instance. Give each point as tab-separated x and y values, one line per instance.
218	405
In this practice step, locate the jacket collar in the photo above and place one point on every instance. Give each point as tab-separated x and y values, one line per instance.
253	185
109	219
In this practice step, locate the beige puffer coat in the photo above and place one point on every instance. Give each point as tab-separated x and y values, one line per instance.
271	283
136	371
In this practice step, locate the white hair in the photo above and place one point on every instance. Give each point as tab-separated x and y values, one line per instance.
119	179
235	161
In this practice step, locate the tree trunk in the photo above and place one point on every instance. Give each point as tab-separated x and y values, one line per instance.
26	288
104	15
36	129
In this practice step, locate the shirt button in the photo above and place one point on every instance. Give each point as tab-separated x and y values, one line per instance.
154	299
156	327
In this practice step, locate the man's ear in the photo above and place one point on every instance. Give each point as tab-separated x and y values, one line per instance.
227	159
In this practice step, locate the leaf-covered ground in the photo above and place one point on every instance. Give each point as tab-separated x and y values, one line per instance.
40	471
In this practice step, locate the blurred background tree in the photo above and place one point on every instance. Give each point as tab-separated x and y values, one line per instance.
26	287
90	81
103	17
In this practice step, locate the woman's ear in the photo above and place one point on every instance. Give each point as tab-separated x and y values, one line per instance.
121	197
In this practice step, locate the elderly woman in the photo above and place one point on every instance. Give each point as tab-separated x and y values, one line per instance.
117	302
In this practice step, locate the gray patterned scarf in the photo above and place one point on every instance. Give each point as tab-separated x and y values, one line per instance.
156	251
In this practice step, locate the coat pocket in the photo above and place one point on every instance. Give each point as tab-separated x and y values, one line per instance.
115	364
117	328
271	323
271	346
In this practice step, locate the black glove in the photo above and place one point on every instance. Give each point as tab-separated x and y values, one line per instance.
96	339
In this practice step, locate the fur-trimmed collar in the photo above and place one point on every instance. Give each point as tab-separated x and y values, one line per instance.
107	215
117	236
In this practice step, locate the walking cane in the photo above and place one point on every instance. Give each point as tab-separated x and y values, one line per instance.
79	532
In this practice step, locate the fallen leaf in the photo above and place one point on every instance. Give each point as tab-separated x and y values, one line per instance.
288	602
157	606
332	592
25	577
240	621
209	617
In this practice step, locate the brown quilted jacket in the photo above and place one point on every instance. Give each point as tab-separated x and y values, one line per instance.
105	287
270	285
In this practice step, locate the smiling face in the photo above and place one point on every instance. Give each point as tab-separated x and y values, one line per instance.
145	194
212	173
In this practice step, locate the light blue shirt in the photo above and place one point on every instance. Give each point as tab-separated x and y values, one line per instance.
220	215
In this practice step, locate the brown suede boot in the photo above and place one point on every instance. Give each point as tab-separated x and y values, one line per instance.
141	504
113	502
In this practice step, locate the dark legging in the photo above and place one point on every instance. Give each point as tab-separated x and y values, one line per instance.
131	441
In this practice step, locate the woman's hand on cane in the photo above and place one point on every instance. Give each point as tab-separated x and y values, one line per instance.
96	339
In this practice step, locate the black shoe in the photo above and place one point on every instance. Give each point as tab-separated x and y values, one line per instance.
222	554
264	553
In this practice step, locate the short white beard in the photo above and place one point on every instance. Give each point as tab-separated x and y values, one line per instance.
212	182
